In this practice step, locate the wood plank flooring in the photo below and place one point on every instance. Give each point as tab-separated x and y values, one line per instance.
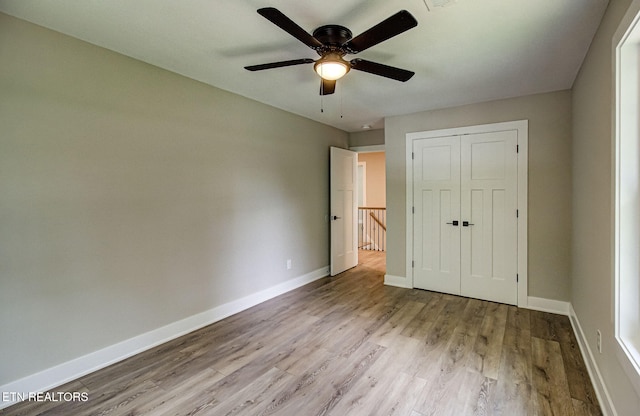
349	345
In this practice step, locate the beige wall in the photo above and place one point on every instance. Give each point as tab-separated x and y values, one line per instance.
549	242
592	277
131	197
376	186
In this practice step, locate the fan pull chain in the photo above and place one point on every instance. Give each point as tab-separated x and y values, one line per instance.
321	90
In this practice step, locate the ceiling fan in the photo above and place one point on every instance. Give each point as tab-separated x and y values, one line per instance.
333	42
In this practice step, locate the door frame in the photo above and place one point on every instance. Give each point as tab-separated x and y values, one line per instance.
522	128
362	185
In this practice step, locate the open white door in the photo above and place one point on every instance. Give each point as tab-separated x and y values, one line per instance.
344	210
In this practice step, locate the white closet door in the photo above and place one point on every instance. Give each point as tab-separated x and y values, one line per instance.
489	249
436	194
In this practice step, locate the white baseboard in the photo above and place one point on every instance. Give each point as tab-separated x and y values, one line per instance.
78	367
548	305
398	281
606	404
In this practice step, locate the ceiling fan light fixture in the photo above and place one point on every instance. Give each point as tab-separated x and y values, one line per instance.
331	67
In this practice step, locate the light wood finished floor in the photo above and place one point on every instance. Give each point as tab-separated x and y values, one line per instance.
349	345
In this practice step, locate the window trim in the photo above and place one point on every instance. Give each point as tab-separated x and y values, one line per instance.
627	36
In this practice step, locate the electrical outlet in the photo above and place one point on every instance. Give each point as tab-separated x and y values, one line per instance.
599	341
289	264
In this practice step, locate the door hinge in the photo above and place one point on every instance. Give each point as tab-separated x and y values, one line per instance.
413	210
413	264
517	277
517	148
517	213
413	155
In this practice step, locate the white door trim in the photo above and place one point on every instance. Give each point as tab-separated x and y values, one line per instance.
522	127
362	185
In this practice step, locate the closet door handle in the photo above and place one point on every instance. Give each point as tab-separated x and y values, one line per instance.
466	223
454	223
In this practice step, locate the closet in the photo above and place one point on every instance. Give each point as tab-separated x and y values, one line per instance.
465	214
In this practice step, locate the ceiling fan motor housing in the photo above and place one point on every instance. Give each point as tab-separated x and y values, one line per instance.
332	37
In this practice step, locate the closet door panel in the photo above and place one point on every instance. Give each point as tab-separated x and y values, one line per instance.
436	196
488	210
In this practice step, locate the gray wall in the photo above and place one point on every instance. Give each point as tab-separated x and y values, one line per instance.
131	197
592	277
549	242
366	138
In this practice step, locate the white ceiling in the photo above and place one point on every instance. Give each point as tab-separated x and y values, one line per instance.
467	52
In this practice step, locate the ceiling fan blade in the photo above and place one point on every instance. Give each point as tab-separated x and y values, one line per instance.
327	86
279	64
392	26
276	17
381	69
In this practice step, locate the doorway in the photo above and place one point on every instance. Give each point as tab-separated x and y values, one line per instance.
372	203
